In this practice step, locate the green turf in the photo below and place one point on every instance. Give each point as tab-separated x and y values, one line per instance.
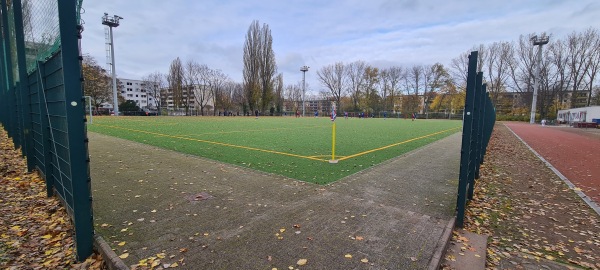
290	139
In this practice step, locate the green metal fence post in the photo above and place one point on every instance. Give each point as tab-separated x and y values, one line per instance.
480	121
75	108
10	94
465	152
473	160
23	86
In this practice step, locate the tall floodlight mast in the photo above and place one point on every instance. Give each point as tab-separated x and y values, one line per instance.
537	42
111	22
304	69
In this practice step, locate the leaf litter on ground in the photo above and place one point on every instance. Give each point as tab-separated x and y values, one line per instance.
36	232
530	215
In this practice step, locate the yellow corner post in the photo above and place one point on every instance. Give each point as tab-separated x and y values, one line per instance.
333	160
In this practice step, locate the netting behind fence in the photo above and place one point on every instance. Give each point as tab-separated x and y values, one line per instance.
42	35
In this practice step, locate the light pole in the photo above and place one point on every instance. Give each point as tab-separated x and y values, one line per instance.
537	42
304	69
112	22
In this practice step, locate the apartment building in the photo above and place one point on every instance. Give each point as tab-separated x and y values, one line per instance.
135	90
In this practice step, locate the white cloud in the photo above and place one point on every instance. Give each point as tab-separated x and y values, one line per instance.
318	33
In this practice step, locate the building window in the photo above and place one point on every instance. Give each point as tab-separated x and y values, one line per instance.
129	83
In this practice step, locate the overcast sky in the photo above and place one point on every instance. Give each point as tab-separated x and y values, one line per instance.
317	33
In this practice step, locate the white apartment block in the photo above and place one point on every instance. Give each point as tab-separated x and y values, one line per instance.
135	90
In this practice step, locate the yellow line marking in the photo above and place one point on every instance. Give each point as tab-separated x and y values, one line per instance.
250	130
327	156
217	143
395	144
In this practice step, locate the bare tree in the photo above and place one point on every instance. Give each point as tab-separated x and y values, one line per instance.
372	99
579	49
238	98
154	83
203	93
190	80
521	66
559	59
593	61
332	77
216	82
459	67
497	73
355	72
395	75
278	97
293	94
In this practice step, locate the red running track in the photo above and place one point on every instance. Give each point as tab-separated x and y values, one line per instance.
574	152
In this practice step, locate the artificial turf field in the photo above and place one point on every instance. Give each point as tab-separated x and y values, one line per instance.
298	148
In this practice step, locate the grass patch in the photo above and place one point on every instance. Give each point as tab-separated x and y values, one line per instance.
298	148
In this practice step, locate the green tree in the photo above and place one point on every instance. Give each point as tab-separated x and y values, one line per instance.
259	66
175	82
129	106
97	83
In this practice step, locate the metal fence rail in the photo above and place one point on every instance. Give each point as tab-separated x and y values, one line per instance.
42	104
479	120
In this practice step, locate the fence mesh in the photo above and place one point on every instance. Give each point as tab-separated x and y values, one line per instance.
41	29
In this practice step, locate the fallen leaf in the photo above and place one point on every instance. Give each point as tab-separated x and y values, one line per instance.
349	256
365	260
302	262
121	244
359	238
282	230
414	259
182	250
124	256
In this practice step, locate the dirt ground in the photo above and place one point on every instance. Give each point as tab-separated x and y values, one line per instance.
534	220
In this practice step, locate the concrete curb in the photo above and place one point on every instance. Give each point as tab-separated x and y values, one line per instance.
110	257
442	245
582	195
